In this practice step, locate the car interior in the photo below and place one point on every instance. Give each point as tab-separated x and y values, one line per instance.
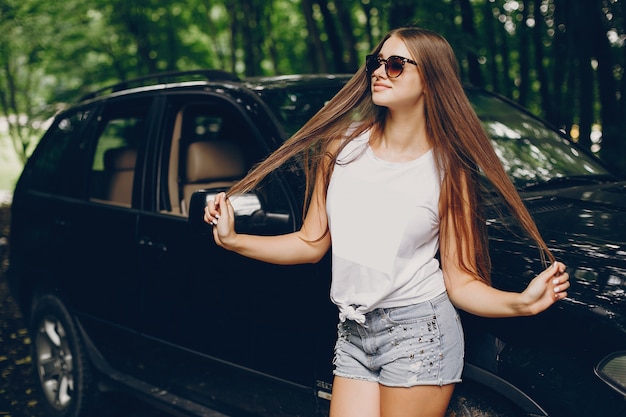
119	164
202	154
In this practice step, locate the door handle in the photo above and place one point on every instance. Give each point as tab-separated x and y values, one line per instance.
149	243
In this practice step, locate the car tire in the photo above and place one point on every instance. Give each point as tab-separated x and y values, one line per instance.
66	383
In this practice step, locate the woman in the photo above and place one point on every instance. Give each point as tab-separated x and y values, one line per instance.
392	166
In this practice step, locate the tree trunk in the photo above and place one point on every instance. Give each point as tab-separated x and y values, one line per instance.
613	147
248	22
133	17
468	28
233	5
369	33
524	57
315	47
334	38
345	23
505	54
268	29
564	89
495	74
401	12
582	28
538	33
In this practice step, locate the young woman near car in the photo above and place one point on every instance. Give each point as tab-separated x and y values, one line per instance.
393	165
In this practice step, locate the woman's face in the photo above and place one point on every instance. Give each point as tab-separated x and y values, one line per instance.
404	91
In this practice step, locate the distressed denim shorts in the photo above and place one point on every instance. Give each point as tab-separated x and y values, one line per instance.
419	344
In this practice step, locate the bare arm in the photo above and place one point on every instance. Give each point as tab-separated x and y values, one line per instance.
474	296
308	245
469	293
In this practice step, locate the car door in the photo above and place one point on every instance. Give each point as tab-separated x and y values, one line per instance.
89	230
105	245
221	327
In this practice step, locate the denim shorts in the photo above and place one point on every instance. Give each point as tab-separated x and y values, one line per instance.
419	344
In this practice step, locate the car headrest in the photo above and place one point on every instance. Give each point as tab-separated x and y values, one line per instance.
211	161
120	159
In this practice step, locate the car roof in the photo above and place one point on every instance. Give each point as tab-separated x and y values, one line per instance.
207	77
162	80
290	81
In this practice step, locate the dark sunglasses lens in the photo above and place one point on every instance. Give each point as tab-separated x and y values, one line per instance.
371	63
394	66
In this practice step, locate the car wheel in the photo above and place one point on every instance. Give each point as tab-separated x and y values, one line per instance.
63	370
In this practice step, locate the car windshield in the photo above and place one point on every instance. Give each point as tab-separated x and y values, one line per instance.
296	106
533	154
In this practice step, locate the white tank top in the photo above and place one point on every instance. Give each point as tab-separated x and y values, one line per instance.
384	225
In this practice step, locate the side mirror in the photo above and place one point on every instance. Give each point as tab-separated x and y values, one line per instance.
611	371
250	216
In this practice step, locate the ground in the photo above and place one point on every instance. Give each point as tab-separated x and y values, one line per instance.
17	395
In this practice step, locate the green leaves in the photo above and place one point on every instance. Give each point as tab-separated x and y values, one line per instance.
529	50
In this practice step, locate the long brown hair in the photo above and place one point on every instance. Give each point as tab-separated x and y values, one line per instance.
460	145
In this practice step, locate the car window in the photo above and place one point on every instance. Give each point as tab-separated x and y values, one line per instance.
531	152
119	135
54	164
295	105
211	146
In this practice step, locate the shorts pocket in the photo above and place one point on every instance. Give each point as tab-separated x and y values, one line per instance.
412	314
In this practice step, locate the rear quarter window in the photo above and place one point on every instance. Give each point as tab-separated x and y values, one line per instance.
58	157
120	132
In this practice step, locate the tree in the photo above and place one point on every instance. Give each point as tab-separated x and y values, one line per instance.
33	71
563	60
468	28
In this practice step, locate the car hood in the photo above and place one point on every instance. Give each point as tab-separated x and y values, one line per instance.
592	215
585	228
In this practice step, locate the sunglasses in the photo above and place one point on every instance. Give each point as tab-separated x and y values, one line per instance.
394	65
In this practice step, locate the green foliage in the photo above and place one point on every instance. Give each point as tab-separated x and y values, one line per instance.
538	52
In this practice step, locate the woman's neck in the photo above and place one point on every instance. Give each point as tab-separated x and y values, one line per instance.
401	141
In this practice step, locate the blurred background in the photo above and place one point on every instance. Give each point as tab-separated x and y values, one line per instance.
562	59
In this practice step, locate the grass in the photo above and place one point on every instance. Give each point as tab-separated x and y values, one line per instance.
10	168
5	221
8	176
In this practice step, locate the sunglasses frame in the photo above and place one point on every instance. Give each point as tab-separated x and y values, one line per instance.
385	62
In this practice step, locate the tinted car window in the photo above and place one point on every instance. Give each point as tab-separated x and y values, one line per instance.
296	105
54	165
531	153
119	132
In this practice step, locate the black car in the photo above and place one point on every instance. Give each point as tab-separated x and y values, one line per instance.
125	289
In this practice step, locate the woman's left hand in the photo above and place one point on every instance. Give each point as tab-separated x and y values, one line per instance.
547	288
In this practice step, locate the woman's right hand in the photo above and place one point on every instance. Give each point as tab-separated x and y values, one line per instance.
220	213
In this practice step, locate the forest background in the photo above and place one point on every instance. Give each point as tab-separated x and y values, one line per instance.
562	59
